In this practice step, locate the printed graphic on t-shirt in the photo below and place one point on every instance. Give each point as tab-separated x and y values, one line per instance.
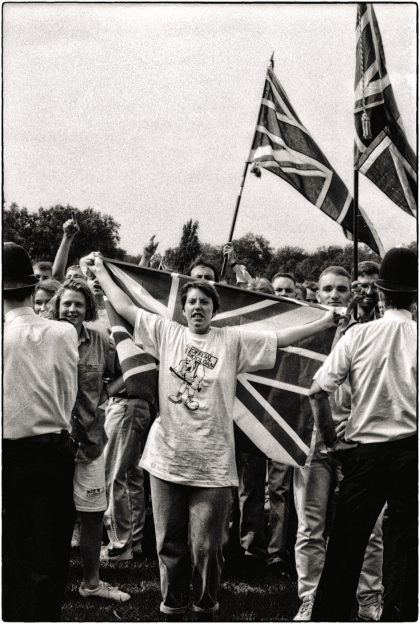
191	371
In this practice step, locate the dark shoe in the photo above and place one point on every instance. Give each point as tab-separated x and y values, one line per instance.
279	570
203	617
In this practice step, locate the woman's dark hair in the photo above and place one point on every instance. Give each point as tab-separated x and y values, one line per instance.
51	286
206	288
78	285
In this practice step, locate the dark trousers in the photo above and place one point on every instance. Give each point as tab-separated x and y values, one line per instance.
373	474
38	520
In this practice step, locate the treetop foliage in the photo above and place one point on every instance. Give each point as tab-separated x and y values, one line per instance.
41	232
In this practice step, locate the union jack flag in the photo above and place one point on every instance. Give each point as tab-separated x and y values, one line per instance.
381	149
283	146
271	410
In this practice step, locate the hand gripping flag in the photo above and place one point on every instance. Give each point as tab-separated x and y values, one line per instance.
271	410
283	146
381	150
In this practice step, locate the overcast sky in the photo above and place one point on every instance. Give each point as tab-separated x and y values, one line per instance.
147	112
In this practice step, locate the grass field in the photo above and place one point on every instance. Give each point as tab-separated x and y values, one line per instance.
265	599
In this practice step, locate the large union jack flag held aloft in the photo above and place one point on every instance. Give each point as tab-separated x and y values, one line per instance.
272	410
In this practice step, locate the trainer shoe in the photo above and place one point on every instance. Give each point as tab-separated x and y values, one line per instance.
108	553
371	612
305	611
104	590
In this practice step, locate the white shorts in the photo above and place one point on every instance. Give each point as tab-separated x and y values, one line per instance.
89	485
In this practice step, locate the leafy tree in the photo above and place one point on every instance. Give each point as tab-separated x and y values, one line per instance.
41	232
255	252
285	260
179	258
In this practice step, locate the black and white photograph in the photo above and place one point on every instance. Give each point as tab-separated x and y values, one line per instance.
210	290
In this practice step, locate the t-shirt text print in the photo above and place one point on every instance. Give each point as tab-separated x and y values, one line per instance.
190	373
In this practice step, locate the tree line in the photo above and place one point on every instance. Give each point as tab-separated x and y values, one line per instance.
40	233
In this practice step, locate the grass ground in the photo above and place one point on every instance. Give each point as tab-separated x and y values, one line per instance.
263	600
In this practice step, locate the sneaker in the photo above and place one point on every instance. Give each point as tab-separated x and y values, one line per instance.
371	612
305	611
104	590
115	554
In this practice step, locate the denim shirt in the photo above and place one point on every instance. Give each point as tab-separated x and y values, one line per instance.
95	363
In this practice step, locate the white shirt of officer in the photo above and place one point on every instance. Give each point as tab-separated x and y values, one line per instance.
380	359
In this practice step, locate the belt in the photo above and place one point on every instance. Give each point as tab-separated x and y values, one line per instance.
45	438
409	443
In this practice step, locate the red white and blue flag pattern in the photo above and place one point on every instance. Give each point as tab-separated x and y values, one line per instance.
283	146
272	410
383	153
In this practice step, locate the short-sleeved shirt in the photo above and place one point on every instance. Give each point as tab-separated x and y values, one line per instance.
40	374
87	420
192	441
380	359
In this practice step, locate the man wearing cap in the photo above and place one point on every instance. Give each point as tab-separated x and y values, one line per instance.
379	452
40	387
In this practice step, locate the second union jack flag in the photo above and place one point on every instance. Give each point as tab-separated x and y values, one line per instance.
283	146
382	152
272	410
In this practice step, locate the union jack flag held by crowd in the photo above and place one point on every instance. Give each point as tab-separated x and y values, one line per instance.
382	152
283	146
272	410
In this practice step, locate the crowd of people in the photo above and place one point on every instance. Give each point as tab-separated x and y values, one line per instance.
81	459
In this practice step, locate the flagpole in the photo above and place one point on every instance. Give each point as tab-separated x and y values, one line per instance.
238	201
232	227
355	222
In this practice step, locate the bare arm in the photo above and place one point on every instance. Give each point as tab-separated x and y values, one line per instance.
243	278
286	337
148	252
117	297
70	229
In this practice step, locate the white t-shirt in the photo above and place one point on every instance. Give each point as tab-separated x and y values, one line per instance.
192	441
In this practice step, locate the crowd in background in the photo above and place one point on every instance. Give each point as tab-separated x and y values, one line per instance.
281	516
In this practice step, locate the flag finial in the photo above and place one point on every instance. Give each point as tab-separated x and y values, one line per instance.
272	61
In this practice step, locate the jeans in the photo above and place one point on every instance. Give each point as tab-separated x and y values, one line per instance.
38	520
251	475
192	525
312	490
279	484
252	470
126	424
373	474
